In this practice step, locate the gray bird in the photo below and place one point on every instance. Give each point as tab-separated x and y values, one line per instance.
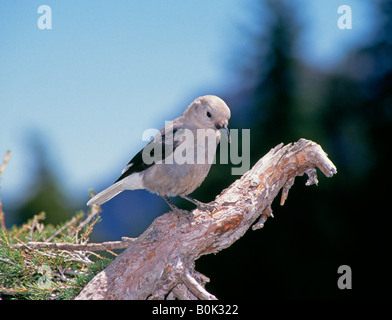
177	160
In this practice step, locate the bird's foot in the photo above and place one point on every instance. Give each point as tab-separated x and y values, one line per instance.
205	206
183	213
178	211
200	205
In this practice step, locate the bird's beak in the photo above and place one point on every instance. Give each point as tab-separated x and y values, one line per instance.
224	126
227	132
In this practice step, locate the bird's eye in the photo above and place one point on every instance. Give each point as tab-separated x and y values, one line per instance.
208	114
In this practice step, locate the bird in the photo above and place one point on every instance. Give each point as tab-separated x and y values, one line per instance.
177	160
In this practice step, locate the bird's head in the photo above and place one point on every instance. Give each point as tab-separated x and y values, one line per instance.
209	112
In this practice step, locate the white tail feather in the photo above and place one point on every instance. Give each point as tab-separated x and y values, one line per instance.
107	194
132	182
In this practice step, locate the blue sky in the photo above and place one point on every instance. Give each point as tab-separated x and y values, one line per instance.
108	70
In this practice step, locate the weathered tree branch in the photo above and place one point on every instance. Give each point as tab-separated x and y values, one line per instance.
109	245
160	263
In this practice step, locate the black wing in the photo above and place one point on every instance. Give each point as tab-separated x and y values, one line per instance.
136	164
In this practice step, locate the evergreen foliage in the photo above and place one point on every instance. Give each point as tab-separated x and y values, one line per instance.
47	274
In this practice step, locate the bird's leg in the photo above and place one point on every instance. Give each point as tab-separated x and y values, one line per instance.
200	205
175	208
171	205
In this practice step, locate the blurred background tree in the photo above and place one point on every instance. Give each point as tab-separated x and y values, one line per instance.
348	111
44	191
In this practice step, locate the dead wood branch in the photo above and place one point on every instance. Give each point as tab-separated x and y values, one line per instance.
160	263
103	246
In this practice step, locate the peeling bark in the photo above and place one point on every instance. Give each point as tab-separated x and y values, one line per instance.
159	264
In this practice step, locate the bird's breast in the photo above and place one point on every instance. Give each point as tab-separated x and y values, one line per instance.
185	169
